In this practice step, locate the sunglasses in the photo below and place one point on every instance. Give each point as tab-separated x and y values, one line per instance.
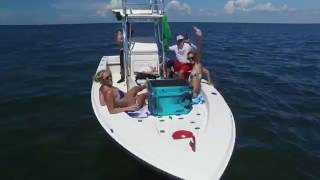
180	41
108	78
190	57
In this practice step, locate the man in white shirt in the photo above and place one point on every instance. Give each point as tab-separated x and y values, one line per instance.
182	65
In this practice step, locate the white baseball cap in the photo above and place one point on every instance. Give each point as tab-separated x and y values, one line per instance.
180	37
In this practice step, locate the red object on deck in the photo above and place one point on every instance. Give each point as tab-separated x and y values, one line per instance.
183	134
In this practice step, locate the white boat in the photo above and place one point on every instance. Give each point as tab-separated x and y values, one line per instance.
151	139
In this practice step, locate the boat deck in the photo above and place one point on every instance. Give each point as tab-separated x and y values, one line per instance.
150	139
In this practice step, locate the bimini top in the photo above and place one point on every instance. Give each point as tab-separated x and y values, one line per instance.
138	14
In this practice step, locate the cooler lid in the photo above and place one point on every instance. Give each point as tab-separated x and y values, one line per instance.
168	82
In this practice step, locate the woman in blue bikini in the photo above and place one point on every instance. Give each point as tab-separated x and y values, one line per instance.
116	100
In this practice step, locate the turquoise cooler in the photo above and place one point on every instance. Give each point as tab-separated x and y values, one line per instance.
169	97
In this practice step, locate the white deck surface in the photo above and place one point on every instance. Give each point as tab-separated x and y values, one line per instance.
211	122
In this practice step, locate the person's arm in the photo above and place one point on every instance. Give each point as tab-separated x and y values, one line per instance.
193	47
206	72
109	100
198	33
119	39
101	98
172	48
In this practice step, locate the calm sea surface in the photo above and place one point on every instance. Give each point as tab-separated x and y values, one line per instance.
268	74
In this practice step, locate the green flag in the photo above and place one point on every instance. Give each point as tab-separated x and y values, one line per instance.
166	33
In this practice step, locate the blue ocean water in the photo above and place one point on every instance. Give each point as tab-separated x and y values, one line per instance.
269	75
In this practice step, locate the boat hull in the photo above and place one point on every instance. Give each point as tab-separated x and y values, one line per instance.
151	139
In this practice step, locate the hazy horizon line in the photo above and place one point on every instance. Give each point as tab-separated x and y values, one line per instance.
217	22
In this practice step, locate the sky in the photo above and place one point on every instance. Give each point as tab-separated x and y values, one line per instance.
99	11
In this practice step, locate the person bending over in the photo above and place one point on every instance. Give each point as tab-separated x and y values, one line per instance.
197	73
198	70
205	72
116	100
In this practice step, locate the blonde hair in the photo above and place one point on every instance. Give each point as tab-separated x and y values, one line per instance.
98	77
